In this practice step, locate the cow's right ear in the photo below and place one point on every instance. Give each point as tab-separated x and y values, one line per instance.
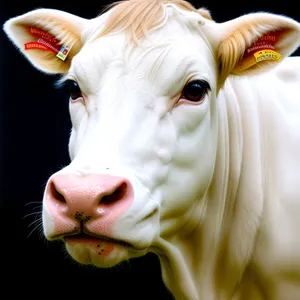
48	38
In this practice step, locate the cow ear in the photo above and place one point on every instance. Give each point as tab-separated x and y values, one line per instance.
48	38
255	42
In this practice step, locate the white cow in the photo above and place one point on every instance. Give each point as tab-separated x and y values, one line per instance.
185	143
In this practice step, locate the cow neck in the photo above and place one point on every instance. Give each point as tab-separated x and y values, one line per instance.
243	196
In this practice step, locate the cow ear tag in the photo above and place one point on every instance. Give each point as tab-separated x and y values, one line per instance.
262	50
48	42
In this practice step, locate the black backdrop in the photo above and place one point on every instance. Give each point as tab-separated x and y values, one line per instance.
34	136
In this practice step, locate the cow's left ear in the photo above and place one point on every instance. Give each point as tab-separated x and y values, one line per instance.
48	38
254	42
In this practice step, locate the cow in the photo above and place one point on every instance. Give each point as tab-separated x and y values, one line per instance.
185	143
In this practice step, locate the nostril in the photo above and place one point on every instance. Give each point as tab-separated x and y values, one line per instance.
55	194
115	195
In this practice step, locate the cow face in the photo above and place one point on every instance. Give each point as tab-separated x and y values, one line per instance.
144	137
142	145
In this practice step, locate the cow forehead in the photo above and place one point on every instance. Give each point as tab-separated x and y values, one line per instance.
173	50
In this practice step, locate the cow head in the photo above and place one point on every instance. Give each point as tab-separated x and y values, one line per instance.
143	79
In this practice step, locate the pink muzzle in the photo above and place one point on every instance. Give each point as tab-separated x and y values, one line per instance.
86	204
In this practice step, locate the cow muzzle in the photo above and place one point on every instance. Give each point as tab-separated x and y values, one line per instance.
82	210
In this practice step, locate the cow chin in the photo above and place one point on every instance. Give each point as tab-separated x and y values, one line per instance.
93	251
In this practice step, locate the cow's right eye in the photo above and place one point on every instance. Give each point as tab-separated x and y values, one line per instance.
74	90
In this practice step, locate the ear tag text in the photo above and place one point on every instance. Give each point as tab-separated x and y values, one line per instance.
264	48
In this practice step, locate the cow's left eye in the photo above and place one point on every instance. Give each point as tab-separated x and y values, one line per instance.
74	90
195	91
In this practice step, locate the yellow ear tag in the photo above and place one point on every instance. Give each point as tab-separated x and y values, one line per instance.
267	55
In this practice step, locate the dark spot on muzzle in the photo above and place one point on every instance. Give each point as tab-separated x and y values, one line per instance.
79	216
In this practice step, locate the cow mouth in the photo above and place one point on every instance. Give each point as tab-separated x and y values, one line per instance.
85	238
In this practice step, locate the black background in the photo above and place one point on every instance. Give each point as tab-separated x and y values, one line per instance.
34	136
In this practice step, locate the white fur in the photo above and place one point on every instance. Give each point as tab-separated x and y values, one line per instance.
222	178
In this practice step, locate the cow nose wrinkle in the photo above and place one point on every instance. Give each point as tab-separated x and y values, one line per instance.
115	195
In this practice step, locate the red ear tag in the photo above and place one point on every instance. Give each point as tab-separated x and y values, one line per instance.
261	50
48	42
264	48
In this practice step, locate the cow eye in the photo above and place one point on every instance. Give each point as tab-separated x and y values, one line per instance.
74	90
195	91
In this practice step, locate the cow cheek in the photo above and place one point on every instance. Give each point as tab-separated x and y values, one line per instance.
72	143
189	178
79	120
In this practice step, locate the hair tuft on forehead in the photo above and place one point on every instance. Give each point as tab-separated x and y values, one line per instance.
138	17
